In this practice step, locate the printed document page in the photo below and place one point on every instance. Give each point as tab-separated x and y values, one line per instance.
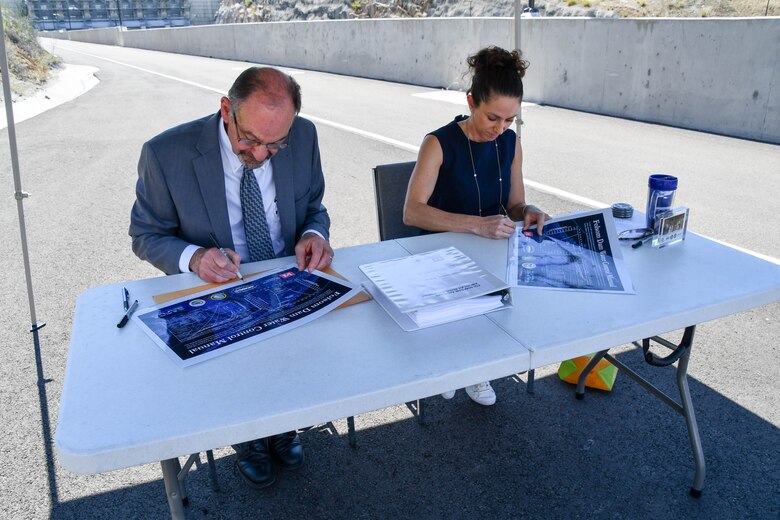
432	278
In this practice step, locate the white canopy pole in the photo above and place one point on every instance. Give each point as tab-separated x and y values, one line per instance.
19	195
518	14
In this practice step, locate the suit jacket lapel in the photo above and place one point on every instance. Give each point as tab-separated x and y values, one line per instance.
211	180
285	196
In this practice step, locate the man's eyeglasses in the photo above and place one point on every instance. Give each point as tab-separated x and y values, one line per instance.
271	147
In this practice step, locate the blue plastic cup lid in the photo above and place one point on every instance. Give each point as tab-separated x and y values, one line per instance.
662	182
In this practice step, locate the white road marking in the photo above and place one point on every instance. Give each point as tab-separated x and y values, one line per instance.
455	97
71	82
363	133
166	76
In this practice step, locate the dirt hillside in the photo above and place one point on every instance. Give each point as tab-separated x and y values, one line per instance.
237	11
675	8
28	62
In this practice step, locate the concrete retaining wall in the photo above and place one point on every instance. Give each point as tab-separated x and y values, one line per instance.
716	75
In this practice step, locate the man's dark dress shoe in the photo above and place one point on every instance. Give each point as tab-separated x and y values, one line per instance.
287	450
254	463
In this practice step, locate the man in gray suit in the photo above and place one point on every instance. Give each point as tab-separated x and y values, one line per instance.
250	177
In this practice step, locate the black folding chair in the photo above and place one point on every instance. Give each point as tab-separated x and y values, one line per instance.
390	183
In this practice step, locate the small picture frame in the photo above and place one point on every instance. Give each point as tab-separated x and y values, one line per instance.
670	227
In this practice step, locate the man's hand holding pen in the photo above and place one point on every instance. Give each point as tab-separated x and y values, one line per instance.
212	265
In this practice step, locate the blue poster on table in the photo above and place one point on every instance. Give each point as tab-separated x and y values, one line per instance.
214	322
574	252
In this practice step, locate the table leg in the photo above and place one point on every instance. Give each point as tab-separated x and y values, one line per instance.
416	407
351	435
690	422
420	411
212	470
580	393
171	469
681	355
529	387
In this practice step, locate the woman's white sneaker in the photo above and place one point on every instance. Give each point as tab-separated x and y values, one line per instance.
449	395
482	393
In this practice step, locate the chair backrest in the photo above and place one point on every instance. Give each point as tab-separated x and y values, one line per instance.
390	182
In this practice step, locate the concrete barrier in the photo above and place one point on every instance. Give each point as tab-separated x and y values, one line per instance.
715	75
107	36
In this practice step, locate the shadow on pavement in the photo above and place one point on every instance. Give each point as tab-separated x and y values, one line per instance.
621	454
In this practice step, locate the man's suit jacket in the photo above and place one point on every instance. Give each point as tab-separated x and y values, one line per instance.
180	193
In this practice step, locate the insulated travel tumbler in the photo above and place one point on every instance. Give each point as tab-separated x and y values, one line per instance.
660	196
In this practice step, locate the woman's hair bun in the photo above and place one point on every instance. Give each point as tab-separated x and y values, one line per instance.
496	71
497	58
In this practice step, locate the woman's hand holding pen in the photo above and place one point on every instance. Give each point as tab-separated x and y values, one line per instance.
495	226
212	266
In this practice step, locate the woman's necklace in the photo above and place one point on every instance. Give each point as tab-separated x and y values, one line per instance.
501	208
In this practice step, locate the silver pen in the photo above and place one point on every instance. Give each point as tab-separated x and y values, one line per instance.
127	315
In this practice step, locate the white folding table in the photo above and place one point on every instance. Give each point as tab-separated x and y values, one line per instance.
124	403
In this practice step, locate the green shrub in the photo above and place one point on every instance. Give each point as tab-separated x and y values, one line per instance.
27	60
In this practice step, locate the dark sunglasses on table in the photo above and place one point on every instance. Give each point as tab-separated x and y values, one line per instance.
271	147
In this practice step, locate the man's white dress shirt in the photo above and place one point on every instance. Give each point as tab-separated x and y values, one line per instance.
233	171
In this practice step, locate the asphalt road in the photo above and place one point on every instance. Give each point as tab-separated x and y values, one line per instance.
616	455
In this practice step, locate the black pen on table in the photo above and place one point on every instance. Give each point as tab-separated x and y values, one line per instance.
221	250
125	298
639	244
127	315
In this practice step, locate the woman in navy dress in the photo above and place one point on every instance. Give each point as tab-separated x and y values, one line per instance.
468	177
